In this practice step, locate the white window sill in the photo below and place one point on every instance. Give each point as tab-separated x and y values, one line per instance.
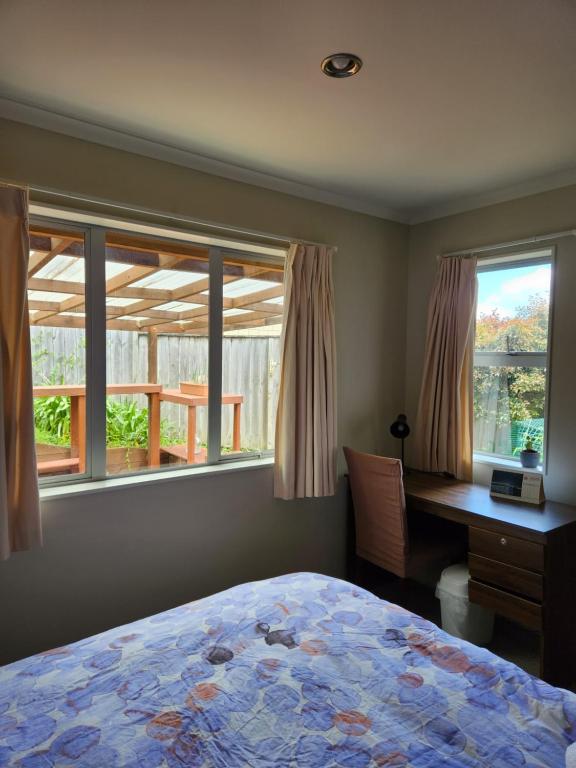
132	481
498	462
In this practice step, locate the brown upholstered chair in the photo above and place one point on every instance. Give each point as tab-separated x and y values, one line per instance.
382	532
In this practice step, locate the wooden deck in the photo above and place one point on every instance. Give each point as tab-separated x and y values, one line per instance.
181	452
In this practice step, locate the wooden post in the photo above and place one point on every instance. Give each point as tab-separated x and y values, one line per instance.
78	430
236	433
191	447
153	429
153	356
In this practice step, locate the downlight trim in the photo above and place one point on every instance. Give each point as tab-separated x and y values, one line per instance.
341	65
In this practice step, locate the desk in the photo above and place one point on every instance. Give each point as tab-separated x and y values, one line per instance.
522	561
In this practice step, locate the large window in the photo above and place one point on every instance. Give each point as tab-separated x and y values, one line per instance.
511	355
150	352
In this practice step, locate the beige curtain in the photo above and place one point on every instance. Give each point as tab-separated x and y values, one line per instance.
444	423
305	460
19	505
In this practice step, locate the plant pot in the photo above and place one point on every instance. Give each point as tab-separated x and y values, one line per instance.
530	459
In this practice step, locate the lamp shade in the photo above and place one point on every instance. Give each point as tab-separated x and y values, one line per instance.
400	428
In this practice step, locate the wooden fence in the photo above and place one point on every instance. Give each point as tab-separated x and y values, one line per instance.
250	367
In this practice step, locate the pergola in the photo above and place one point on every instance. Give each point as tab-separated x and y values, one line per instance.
155	288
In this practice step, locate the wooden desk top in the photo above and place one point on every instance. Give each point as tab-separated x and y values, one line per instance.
472	504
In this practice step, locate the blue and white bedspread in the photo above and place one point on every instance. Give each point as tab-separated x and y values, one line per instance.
301	671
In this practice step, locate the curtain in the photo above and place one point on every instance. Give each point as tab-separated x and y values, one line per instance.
19	505
305	458
444	423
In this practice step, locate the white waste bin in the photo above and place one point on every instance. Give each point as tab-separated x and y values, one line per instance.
460	617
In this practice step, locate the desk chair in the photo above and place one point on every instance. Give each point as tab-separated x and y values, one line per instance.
382	533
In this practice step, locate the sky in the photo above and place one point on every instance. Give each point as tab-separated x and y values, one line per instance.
505	290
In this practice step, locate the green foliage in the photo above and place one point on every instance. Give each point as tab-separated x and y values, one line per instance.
527	331
52	419
509	394
126	423
512	395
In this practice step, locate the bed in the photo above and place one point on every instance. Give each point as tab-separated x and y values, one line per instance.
302	670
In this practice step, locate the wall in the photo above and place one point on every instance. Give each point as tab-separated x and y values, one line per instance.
110	559
538	214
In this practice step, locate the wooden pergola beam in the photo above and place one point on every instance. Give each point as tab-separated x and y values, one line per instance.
234	320
193	291
146	300
267	293
71	321
234	324
43	306
118	281
39	260
162	295
256	324
55	286
261	306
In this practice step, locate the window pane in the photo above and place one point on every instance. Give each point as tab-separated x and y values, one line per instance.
510	397
252	323
513	309
508	409
157	353
56	303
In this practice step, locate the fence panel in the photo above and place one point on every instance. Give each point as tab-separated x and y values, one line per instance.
250	367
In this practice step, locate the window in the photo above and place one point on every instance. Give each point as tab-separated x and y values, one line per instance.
511	355
144	347
253	295
56	304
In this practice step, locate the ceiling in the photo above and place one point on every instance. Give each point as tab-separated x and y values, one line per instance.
457	98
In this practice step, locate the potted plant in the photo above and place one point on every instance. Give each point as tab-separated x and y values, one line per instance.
529	457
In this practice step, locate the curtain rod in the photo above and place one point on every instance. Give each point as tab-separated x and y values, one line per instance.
510	244
230	230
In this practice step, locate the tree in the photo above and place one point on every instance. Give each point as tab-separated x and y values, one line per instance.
507	395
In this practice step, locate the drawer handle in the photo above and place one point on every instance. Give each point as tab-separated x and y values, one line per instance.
503	541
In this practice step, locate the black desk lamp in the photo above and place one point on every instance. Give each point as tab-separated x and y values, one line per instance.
401	430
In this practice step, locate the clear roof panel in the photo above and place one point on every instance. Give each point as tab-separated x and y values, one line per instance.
114	268
246	285
69	268
48	296
115	301
72	269
169	279
179	306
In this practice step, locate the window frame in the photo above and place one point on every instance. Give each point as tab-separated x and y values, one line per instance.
95	334
490	358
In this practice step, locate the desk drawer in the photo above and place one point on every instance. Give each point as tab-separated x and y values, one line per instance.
518	609
510	577
507	549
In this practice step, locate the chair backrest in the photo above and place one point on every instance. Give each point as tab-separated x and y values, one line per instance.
379	510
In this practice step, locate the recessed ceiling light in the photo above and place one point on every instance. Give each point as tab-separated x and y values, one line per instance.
341	65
